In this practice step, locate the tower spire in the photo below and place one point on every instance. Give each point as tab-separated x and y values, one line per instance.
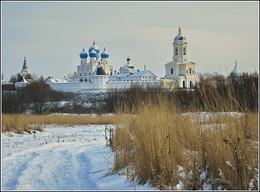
24	63
25	68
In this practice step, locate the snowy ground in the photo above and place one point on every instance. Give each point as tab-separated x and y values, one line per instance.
61	158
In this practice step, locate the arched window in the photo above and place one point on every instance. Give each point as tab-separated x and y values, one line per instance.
184	51
176	50
191	85
183	84
81	80
171	70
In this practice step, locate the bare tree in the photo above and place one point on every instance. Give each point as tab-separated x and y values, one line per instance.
15	78
38	93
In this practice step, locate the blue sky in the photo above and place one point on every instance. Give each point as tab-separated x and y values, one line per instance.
51	34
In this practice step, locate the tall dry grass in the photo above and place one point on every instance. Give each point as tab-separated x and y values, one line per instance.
159	141
26	122
212	94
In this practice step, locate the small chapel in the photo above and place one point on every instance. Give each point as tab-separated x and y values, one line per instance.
25	76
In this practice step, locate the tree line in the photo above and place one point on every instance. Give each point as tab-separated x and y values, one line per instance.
38	97
213	93
33	96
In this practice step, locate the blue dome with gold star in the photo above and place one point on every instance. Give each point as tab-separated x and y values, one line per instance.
83	54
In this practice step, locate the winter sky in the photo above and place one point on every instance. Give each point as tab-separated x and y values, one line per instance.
51	34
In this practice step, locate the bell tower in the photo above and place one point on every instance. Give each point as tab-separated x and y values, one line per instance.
180	48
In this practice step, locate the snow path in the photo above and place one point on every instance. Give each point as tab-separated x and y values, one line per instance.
61	158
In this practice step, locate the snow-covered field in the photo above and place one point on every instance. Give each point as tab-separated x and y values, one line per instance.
61	158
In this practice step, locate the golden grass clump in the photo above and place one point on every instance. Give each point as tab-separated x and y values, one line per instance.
14	123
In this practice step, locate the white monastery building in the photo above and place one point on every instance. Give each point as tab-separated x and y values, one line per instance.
96	73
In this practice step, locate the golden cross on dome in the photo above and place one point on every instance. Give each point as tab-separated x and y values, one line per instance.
94	39
179	27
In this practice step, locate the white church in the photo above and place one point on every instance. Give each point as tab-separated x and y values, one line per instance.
96	73
180	72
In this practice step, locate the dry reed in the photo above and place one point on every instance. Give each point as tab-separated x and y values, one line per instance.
25	122
158	140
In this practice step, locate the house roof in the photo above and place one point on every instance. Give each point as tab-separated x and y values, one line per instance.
134	74
52	80
187	62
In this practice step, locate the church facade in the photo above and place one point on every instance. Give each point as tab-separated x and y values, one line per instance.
96	73
180	72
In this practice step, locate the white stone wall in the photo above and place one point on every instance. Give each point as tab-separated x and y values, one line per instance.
100	83
128	84
20	84
70	86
